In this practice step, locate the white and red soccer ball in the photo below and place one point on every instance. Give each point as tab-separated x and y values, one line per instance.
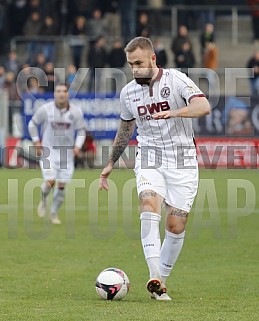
112	284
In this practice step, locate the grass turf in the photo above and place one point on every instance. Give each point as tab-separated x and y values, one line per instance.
48	272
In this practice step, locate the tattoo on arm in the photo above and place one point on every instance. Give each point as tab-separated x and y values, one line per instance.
122	139
179	213
147	194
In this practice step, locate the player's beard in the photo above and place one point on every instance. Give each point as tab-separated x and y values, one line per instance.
146	78
61	104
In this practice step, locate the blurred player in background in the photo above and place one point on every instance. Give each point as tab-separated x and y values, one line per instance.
59	120
161	102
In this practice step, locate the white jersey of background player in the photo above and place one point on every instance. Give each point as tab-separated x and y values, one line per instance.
161	102
59	121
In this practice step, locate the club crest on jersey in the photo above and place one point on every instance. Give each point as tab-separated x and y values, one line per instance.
165	92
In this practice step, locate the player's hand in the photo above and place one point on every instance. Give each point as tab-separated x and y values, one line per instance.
104	175
39	149
76	151
164	115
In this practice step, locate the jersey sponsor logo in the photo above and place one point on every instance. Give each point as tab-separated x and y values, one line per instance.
60	125
146	111
165	92
136	99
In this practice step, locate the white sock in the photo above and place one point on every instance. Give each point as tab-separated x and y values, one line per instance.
58	198
170	251
45	190
150	238
153	266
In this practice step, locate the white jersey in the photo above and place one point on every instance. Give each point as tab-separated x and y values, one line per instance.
58	128
168	141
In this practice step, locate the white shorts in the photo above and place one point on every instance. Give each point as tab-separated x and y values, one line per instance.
178	187
57	172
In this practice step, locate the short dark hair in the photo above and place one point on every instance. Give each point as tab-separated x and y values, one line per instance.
62	84
139	42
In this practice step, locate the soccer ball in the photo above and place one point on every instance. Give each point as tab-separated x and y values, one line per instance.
112	284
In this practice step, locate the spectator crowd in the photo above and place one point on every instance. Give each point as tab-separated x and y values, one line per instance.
91	27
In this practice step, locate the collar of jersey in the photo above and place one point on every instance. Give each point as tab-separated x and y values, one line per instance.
158	77
63	110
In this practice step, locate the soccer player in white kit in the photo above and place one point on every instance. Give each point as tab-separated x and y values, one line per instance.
161	103
59	121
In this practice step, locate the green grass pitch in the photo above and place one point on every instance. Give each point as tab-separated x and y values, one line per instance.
48	272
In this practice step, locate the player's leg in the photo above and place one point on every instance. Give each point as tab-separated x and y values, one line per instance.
150	206
151	188
58	199
48	175
46	187
150	209
176	220
64	176
182	187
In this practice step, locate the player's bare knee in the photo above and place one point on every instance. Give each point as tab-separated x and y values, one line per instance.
61	185
148	206
176	220
175	226
176	229
150	202
51	183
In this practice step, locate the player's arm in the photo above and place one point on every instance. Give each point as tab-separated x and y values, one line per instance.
198	107
33	131
80	139
121	141
33	124
80	128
